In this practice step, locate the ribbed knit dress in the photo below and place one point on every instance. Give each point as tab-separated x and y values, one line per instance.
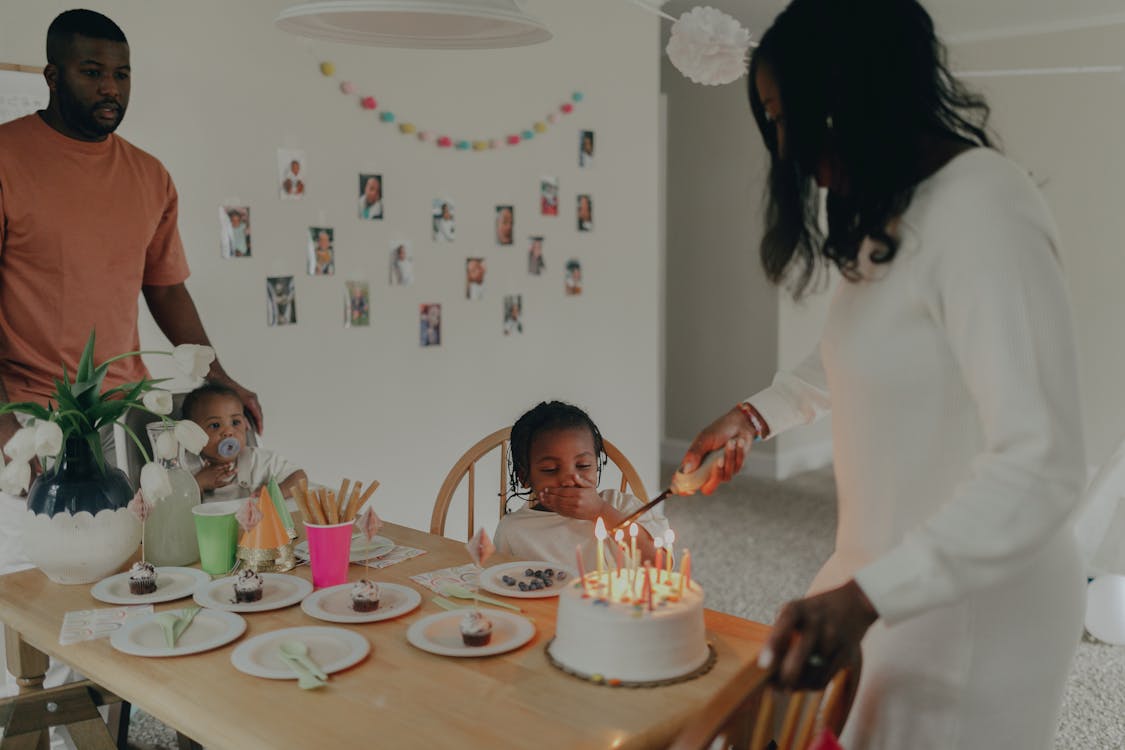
957	436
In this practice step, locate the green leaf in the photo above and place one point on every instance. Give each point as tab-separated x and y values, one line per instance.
94	440
26	407
86	362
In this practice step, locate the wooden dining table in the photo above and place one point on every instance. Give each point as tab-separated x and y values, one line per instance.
398	696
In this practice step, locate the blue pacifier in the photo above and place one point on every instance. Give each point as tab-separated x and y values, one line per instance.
229	447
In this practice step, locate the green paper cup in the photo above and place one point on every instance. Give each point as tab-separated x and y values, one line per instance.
217	530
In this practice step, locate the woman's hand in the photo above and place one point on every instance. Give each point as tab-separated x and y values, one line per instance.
814	638
578	500
215	475
730	433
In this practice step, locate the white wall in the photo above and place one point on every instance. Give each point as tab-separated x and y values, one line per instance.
1069	131
217	89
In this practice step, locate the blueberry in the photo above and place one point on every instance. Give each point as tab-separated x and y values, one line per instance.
529	572
549	571
508	580
548	582
561	575
523	586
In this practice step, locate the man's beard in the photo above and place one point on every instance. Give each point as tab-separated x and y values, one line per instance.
82	119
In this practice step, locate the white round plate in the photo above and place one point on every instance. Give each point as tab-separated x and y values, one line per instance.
490	579
362	549
334	604
278	591
441	633
171	584
332	649
142	636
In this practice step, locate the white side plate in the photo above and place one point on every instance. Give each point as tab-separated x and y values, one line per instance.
278	591
441	633
171	584
142	636
491	579
332	649
334	604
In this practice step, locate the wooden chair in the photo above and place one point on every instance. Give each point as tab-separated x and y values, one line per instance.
467	466
749	712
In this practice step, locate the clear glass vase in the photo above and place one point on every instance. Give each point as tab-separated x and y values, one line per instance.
169	531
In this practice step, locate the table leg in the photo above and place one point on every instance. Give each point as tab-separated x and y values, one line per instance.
29	665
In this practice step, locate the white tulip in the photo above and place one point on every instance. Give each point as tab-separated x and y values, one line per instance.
167	447
15	477
191	436
155	483
194	359
48	438
158	401
21	448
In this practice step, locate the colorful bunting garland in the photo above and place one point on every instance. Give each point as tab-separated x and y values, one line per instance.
369	103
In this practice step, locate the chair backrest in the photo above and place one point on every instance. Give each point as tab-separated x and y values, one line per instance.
466	466
748	713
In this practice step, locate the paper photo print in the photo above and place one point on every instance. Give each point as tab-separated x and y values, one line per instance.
513	314
429	320
322	255
357	308
401	265
291	173
585	213
573	281
474	278
371	196
585	148
535	263
234	231
505	225
549	196
281	301
443	219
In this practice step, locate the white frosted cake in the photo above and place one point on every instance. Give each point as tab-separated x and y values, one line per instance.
616	637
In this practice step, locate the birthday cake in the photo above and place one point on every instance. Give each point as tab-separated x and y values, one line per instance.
619	631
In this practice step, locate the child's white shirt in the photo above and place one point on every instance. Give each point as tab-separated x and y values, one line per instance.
254	467
529	534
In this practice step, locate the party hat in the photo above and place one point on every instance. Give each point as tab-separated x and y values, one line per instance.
267	545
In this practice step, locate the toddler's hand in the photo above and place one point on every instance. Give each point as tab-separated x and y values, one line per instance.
581	500
214	476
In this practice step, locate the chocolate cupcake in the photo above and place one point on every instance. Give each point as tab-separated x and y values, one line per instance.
365	596
476	629
142	578
248	587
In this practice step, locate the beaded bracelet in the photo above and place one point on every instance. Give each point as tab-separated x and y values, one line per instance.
761	429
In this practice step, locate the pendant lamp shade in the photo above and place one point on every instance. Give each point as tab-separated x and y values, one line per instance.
426	24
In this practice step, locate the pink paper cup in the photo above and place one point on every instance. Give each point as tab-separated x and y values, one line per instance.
330	549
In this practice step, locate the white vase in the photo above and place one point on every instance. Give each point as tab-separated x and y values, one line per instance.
81	548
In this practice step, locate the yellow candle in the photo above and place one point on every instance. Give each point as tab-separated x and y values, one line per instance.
659	544
633	531
581	569
669	540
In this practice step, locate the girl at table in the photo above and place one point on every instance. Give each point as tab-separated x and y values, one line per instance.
557	456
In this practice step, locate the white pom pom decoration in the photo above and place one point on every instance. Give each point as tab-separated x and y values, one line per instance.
709	47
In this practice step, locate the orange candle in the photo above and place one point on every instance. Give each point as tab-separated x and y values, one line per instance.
600	533
685	572
669	540
647	592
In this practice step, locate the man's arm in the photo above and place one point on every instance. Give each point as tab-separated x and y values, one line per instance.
174	311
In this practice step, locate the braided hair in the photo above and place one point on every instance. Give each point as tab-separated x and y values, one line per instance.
545	417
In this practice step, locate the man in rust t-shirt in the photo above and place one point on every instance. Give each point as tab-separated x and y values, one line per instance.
87	223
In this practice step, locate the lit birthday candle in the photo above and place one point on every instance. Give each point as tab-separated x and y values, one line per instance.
647	591
600	533
659	544
634	562
685	572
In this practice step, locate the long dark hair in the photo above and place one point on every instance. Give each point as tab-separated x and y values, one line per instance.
545	417
865	84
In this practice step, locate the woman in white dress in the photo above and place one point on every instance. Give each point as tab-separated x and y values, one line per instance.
948	365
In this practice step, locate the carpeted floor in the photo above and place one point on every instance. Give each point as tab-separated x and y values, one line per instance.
756	544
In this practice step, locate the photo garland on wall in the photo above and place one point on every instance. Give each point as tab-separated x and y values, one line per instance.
357	304
401	272
234	231
281	301
291	174
429	320
513	137
321	252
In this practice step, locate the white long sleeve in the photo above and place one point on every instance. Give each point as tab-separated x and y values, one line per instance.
796	397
